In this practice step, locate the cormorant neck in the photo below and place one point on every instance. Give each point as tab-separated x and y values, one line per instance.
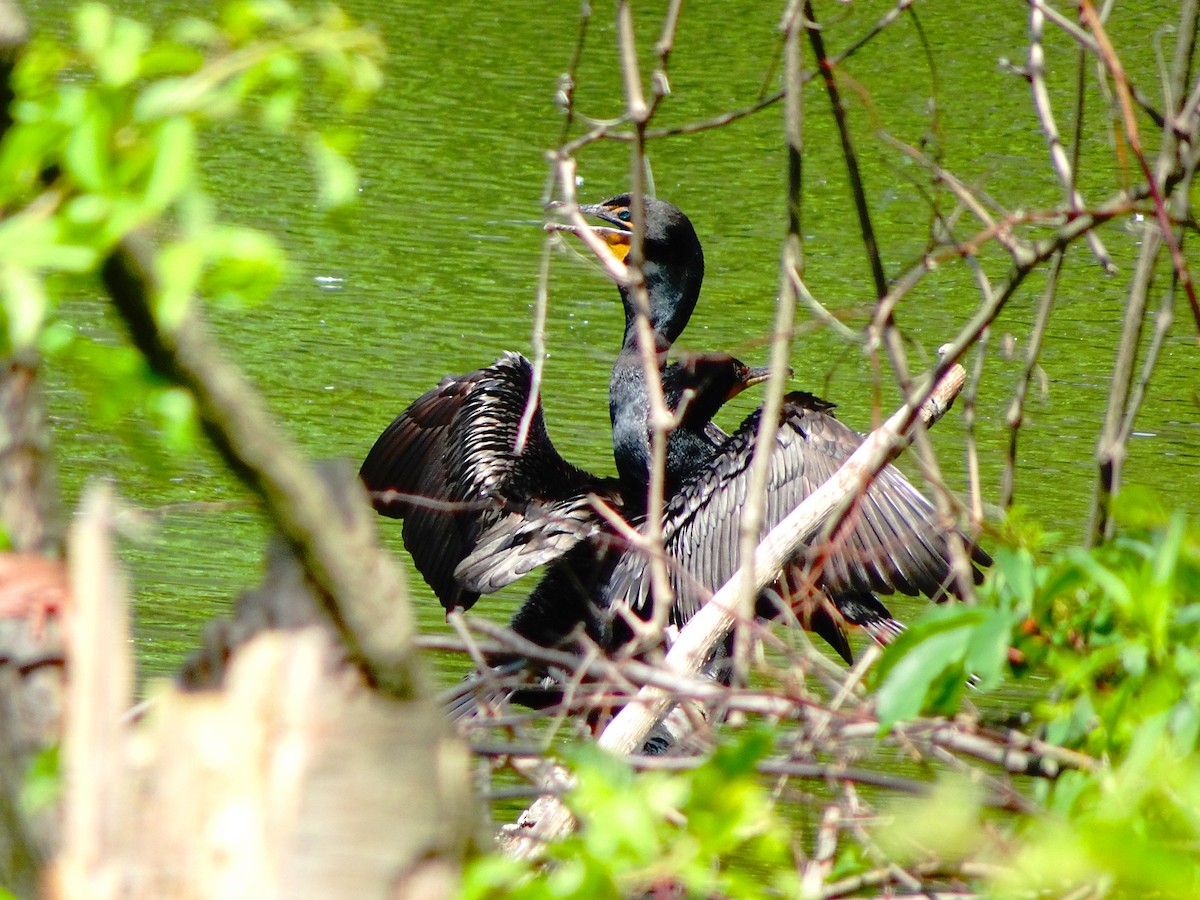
629	412
673	288
689	448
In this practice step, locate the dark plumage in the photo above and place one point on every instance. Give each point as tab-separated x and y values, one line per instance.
477	514
896	542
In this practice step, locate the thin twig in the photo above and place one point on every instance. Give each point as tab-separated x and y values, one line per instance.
1058	156
1134	139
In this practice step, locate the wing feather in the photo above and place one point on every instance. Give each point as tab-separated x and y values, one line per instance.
448	466
893	543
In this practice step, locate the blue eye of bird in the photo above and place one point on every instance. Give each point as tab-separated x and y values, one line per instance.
623	215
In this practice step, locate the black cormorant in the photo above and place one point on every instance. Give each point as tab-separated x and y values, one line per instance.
478	514
896	542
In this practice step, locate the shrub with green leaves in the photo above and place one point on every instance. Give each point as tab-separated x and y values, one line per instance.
104	140
710	831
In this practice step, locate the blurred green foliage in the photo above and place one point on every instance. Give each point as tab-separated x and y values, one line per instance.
1113	632
104	141
711	831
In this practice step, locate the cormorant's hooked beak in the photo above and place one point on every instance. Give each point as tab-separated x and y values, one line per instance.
616	235
748	376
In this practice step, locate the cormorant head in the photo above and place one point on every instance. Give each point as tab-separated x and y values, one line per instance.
703	382
673	261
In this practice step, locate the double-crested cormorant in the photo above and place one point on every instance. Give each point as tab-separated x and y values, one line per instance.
478	514
896	542
448	466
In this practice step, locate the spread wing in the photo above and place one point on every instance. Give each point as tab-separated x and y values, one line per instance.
478	514
895	543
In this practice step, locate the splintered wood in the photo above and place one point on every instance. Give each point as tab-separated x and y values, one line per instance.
295	780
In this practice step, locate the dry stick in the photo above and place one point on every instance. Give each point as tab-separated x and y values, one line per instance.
823	718
947	504
885	875
1015	752
889	334
817	870
974	479
1088	44
1187	37
964	574
836	772
363	591
825	67
1003	796
630	276
1085	40
604	131
1016	410
1162	324
1058	156
548	818
98	693
960	563
629	674
1030	256
1000	231
659	416
537	341
566	82
1003	792
1112	444
666	43
764	443
818	309
698	638
1111	448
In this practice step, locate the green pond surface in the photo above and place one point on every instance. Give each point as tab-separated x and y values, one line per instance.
435	271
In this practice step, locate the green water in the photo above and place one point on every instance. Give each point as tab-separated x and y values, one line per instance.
435	271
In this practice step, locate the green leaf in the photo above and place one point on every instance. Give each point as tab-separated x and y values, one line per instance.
168	58
337	179
489	876
24	155
31	241
926	664
86	154
170	97
365	79
244	265
120	59
93	25
25	305
1166	557
175	412
43	785
278	108
87	211
55	338
177	268
987	649
174	161
1106	579
196	31
1014	574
